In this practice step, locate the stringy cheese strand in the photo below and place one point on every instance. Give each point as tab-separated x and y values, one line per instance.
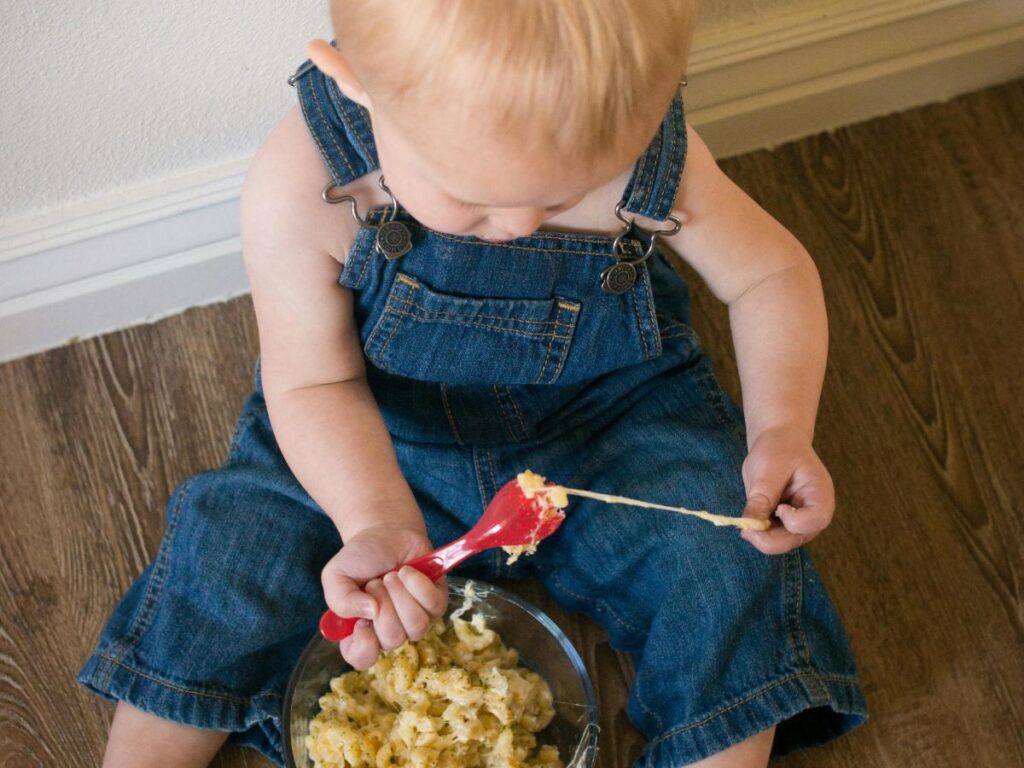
749	523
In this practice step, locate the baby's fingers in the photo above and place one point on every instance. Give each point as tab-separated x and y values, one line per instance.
433	596
343	595
809	520
798	527
775	540
360	649
387	625
414	618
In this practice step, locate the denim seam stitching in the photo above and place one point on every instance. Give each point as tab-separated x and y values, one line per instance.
564	354
647	182
670	132
821	690
478	471
464	323
494	490
499	318
519	415
352	260
381	323
451	416
181	689
531	249
675	167
334	140
793	600
724	710
504	416
547	359
366	257
654	714
396	311
324	155
350	128
640	177
639	325
236	438
650	316
518	431
154	587
562	357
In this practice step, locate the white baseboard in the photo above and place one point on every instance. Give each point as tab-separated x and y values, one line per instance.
795	75
94	268
145	254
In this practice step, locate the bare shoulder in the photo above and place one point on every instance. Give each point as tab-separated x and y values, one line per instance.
595	214
281	203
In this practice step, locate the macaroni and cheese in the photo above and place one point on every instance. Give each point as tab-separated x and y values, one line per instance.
455	699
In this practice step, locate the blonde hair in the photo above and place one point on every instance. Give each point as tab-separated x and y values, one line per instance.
586	76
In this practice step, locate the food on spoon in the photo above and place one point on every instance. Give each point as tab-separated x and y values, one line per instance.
552	501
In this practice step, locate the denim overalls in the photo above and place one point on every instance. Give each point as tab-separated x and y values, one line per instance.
487	359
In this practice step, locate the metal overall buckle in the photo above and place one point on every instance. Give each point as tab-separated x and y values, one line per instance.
621	276
393	239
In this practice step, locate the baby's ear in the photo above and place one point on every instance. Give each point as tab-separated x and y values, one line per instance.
332	63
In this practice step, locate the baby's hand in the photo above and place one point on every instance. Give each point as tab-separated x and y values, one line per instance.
394	608
783	467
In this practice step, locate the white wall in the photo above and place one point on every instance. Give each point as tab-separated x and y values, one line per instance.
126	127
104	95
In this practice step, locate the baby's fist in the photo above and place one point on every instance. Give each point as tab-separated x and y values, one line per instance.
394	607
784	475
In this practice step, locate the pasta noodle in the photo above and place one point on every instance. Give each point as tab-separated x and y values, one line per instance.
455	699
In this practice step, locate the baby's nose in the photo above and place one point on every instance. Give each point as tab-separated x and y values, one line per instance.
519	222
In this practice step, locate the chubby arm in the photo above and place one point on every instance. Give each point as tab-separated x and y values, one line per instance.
324	416
780	333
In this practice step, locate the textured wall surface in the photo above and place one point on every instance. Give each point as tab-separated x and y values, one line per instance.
104	96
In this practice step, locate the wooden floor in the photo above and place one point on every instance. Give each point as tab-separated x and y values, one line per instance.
917	224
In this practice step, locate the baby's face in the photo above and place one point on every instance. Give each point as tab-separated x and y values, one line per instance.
452	176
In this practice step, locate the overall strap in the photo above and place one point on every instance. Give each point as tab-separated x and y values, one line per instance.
652	188
339	126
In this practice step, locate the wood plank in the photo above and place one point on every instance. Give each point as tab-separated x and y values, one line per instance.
917	224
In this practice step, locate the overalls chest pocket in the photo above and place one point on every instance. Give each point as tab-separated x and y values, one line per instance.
428	335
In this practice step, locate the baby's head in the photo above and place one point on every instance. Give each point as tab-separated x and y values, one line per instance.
491	116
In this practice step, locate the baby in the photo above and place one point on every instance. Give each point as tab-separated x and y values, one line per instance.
457	245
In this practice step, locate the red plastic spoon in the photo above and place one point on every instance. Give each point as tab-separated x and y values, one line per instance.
511	519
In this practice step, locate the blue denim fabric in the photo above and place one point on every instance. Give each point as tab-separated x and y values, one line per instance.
488	358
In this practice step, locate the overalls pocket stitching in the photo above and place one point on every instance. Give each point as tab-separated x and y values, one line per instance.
564	304
387	314
407	297
439	317
565	307
534	335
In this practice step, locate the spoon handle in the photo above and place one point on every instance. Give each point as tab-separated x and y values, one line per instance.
434	565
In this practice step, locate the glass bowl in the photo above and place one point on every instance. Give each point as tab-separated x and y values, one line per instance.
542	647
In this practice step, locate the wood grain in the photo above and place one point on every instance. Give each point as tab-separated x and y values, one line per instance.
917	224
